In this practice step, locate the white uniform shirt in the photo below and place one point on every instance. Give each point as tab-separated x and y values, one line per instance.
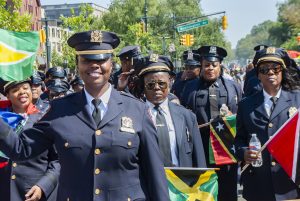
267	101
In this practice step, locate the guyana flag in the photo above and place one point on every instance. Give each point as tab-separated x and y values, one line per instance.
192	184
17	54
222	134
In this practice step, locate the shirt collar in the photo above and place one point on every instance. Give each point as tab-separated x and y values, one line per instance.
104	98
268	96
164	105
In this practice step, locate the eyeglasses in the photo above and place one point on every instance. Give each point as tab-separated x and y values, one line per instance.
161	85
264	69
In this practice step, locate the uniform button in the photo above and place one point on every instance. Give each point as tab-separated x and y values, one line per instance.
14	164
129	143
270	125
13	177
97	171
66	144
273	163
97	151
97	191
98	132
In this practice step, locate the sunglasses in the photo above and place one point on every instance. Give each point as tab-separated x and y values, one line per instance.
264	69
161	85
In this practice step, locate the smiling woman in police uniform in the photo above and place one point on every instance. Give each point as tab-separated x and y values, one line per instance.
110	152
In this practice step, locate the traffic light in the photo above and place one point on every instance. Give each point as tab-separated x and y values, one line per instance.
224	22
191	40
42	36
183	40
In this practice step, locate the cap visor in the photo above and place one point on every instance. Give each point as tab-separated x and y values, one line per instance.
97	57
211	58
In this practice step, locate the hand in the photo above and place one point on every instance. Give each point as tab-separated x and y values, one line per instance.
224	111
123	80
34	194
251	155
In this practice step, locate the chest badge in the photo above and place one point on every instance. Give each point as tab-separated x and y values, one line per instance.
127	125
292	111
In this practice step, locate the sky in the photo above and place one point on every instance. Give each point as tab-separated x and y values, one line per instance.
242	15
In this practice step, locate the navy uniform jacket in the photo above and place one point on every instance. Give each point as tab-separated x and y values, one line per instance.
42	105
116	160
18	177
229	93
188	138
269	180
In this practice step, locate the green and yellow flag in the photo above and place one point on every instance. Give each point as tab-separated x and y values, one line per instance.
194	184
17	54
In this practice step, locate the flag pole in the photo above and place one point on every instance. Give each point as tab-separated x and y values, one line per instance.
265	145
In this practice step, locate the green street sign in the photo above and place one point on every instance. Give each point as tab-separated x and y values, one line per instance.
192	25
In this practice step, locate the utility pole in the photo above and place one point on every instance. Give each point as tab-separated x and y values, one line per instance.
48	47
145	16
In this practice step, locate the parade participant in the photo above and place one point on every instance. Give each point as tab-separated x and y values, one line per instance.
37	178
191	60
206	96
57	88
105	139
77	84
37	88
263	114
178	135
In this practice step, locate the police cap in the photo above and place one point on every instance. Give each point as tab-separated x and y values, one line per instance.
156	63
272	54
94	45
56	72
36	78
58	85
129	52
77	80
212	53
191	58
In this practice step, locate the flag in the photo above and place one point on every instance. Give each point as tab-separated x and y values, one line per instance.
222	134
284	147
192	184
17	54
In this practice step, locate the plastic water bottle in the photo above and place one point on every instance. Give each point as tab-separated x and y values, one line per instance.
255	144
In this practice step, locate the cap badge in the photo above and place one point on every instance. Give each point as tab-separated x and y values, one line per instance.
96	36
190	55
154	58
292	111
213	50
127	125
271	50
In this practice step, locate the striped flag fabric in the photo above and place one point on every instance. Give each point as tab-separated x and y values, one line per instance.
17	54
284	147
222	134
192	184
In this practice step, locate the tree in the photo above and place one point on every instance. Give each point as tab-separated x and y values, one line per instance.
11	19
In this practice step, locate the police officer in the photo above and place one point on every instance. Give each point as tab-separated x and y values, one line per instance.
177	127
37	88
57	88
191	60
128	56
206	97
263	114
110	152
77	84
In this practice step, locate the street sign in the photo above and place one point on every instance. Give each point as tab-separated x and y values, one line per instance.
191	25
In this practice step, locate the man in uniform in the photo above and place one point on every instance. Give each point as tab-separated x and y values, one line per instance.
37	88
263	114
111	151
178	135
206	97
191	60
77	84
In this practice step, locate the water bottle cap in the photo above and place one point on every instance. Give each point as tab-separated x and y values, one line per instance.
253	134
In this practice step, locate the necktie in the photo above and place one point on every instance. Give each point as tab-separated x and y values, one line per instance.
213	102
163	137
274	101
96	113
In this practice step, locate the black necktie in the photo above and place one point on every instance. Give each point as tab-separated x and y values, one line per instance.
97	112
213	102
274	101
163	137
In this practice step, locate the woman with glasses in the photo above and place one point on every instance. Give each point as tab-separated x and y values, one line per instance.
263	114
37	178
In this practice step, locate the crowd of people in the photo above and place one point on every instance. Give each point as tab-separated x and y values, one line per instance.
108	136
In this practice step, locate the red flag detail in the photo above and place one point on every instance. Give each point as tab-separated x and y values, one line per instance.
5	104
283	144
